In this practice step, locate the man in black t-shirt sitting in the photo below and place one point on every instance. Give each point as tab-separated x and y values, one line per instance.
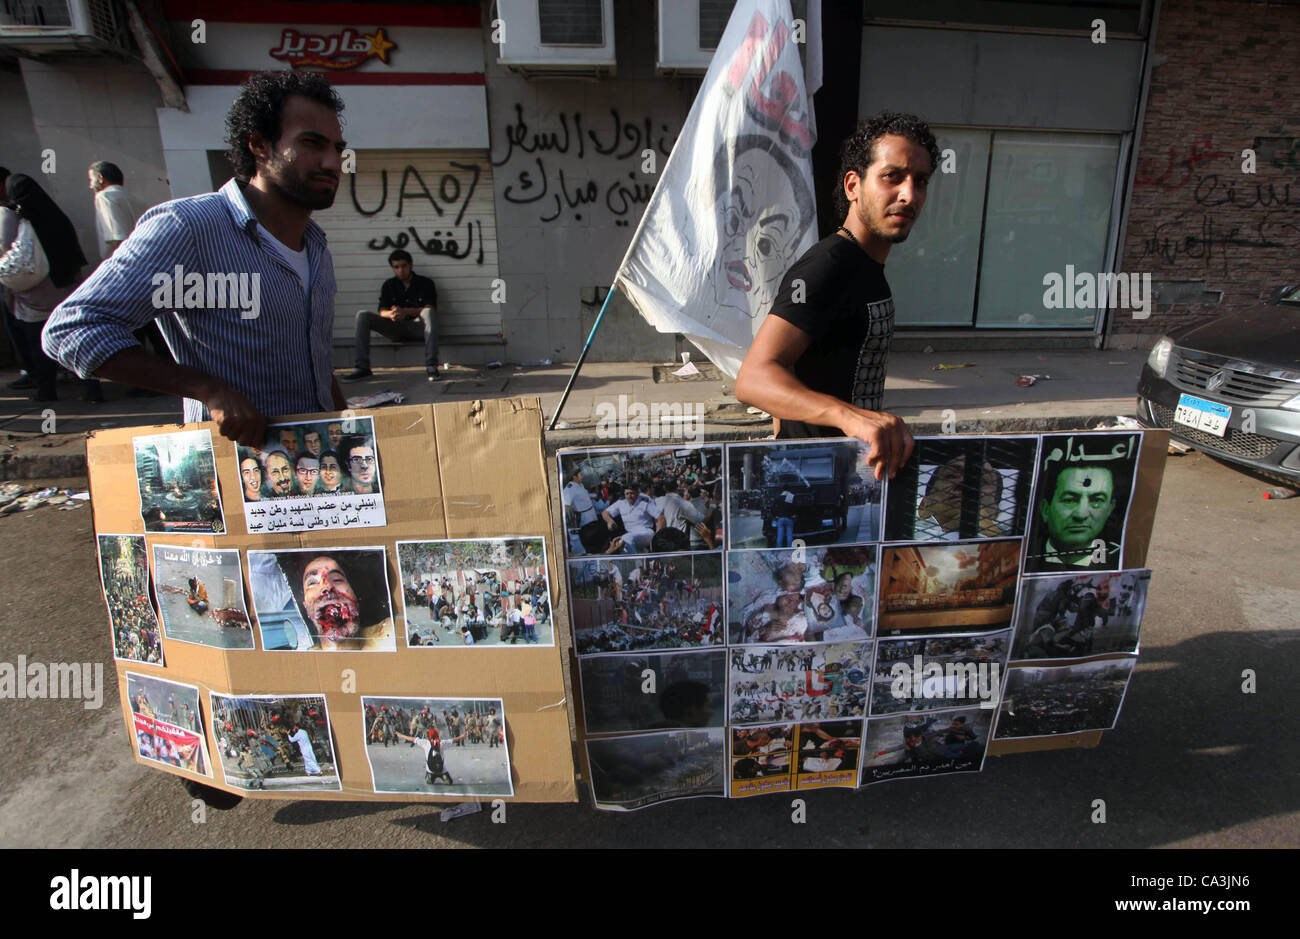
817	364
408	305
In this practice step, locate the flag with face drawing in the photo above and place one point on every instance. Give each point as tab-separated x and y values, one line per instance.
734	206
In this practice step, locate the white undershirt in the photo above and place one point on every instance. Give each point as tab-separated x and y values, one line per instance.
298	260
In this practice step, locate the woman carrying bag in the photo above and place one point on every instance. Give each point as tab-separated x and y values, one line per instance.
40	266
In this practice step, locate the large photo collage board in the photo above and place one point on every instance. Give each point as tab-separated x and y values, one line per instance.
167	591
753	618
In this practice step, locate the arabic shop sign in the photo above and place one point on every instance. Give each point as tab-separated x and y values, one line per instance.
342	50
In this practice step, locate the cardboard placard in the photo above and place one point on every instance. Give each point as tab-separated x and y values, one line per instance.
450	471
977	521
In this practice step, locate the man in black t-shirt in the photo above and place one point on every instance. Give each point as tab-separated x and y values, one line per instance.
817	364
408	305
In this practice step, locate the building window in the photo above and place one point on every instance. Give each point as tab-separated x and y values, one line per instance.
1019	206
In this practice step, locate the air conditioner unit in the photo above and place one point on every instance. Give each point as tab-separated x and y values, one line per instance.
689	32
556	37
39	27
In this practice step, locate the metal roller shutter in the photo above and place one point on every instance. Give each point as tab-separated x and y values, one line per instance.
436	204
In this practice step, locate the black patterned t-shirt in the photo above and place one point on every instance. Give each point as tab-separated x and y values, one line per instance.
838	296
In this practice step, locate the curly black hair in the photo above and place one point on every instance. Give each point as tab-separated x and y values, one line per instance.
260	105
858	149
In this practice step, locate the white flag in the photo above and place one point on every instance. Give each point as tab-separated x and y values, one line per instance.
735	206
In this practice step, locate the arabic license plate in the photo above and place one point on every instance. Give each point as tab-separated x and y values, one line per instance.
1209	416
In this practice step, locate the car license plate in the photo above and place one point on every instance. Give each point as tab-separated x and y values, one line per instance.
1209	416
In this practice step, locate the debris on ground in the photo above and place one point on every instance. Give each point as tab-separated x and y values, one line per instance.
1028	381
1282	492
14	498
376	399
942	368
1119	422
463	808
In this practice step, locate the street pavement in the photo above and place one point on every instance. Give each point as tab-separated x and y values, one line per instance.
1194	760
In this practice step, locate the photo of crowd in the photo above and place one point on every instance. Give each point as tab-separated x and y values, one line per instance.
948	588
1078	615
200	595
801	595
936	673
124	573
1081	502
822	493
909	745
167	723
322	599
633	604
664	691
642	500
312	475
1041	702
269	742
956	489
480	592
177	478
774	684
438	746
645	769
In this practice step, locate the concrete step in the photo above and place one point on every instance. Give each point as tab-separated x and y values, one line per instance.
455	350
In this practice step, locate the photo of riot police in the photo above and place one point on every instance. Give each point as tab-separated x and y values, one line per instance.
670	601
958	489
177	478
906	746
1078	615
272	742
934	589
1042	702
801	594
641	500
667	691
1081	502
821	492
438	746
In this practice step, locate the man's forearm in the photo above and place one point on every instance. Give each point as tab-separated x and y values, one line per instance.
135	366
774	389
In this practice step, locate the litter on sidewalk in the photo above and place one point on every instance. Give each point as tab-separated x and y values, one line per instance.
376	399
1028	381
941	368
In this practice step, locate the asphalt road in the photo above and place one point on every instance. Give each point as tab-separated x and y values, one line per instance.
1194	761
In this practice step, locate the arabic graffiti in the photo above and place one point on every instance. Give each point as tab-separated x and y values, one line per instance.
1229	210
450	194
555	192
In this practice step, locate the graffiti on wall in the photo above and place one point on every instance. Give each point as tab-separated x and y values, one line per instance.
1226	209
612	150
449	196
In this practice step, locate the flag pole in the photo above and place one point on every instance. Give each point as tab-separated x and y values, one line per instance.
573	376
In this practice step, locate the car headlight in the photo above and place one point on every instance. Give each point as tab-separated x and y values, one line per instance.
1158	360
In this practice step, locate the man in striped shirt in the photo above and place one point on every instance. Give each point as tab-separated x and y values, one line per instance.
240	280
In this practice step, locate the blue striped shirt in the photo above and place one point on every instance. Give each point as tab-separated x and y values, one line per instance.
281	360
